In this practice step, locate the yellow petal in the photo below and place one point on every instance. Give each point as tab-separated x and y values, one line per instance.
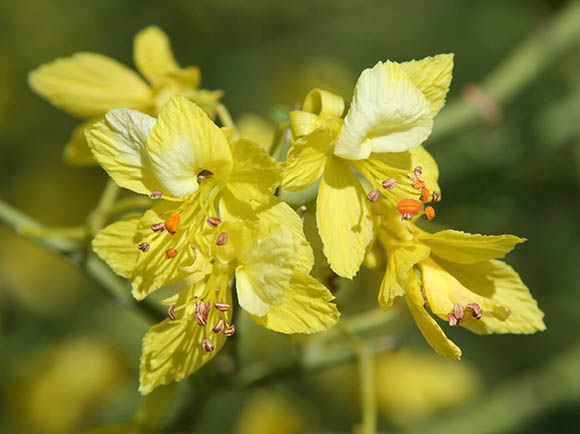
77	151
343	219
465	248
88	85
443	291
432	332
279	213
401	258
154	269
388	114
307	308
118	144
324	103
432	76
116	245
302	123
306	158
265	270
255	175
172	349
184	142
152	54
500	282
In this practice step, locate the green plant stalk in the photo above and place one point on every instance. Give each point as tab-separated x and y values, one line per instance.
225	117
90	265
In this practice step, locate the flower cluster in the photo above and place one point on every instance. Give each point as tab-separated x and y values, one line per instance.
216	218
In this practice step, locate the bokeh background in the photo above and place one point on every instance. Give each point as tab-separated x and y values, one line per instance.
69	355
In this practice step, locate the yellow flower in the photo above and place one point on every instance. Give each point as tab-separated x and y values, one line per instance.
88	85
218	219
390	116
456	276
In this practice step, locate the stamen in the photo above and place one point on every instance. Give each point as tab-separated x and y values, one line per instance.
458	311
230	331
204	174
301	210
156	194
170	253
452	320
408	207
475	310
222	307
171	312
425	301
214	221
373	195
417	172
429	213
418	184
436	196
424	195
222	239
144	247
172	222
207	345
389	184
219	327
158	227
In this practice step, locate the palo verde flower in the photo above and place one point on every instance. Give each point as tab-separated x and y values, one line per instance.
218	218
184	161
390	116
456	276
88	85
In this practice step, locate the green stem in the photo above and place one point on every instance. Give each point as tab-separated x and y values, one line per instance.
518	71
277	144
98	218
91	266
366	379
225	117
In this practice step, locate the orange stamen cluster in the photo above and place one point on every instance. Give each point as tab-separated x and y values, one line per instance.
424	195
172	222
429	213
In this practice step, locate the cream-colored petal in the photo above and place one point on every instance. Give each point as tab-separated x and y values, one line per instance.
432	76
307	156
307	308
172	350
343	218
255	175
265	270
77	151
432	332
499	282
388	114
118	144
465	248
116	245
88	85
443	291
402	257
152	54
183	143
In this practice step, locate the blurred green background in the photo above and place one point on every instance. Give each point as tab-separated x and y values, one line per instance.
69	356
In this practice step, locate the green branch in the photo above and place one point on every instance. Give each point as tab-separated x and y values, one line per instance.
513	75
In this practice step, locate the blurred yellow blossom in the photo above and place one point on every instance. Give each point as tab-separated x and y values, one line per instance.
56	394
88	85
267	413
411	386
